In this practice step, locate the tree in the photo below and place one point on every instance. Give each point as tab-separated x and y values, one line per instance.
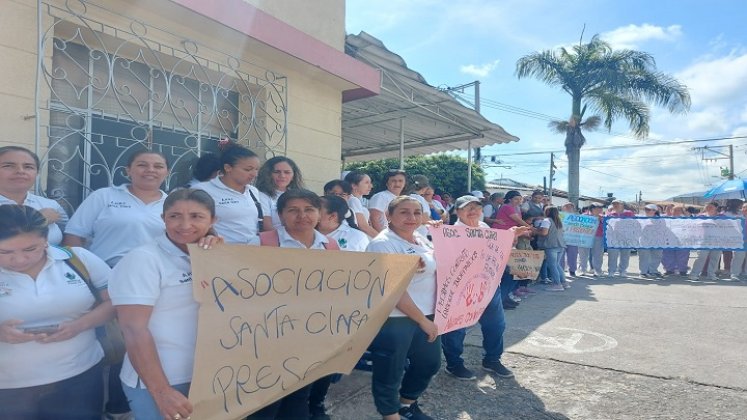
618	84
446	173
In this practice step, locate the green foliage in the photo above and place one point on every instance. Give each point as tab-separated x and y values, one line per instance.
446	173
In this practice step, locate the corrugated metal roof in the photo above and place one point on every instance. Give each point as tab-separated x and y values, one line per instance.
433	120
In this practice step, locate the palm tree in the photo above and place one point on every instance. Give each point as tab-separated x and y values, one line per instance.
615	84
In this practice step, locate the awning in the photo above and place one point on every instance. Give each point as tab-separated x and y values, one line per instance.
429	119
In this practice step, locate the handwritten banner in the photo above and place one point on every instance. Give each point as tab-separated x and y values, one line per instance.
525	264
727	233
274	320
579	229
469	266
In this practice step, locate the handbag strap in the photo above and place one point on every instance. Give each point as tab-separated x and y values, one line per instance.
80	269
260	215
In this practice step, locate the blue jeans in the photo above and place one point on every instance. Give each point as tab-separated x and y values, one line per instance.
492	323
142	404
401	338
552	256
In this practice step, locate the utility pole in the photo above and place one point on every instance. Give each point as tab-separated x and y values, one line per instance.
552	173
723	156
460	88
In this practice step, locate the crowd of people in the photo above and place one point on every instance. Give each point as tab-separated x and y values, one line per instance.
132	240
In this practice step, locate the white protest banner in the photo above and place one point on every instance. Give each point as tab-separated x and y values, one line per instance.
579	229
726	233
469	266
525	264
273	320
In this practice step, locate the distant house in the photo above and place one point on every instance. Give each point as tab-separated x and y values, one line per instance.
559	197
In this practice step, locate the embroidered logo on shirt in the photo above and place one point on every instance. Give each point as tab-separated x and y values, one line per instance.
72	278
5	291
186	278
228	200
119	204
342	242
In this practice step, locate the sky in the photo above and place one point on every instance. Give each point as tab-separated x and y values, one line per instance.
702	44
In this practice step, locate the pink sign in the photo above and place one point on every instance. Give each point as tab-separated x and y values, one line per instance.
469	266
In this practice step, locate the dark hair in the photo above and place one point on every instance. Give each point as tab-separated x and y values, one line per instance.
264	177
509	195
552	213
346	187
299	193
189	194
734	205
419	182
233	153
6	149
337	205
205	166
355	177
16	220
392	173
537	192
399	200
141	152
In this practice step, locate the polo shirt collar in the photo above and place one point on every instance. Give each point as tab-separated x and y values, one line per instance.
166	245
285	238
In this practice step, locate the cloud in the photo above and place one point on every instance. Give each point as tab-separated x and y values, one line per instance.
716	81
482	70
632	36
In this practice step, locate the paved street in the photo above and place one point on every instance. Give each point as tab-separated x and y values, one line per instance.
608	348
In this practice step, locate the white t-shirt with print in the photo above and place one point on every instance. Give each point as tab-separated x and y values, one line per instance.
57	295
115	221
350	239
426	208
159	274
236	212
422	288
54	237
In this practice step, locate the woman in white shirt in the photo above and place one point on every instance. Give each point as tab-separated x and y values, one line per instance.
395	181
114	220
19	168
409	333
236	202
299	211
334	211
152	292
275	177
51	361
361	184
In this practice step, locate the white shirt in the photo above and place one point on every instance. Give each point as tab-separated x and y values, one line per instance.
236	212
422	288
423	229
380	201
159	274
57	295
116	221
287	241
37	202
270	208
350	239
356	206
487	211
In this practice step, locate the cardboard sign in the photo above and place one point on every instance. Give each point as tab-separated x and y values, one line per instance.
525	264
469	266
579	229
273	320
716	233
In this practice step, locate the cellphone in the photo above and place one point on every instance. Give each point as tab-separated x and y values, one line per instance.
42	329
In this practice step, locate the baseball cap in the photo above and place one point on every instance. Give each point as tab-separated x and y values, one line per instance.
466	199
477	194
653	207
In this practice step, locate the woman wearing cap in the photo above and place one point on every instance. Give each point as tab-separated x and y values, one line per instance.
649	259
492	321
